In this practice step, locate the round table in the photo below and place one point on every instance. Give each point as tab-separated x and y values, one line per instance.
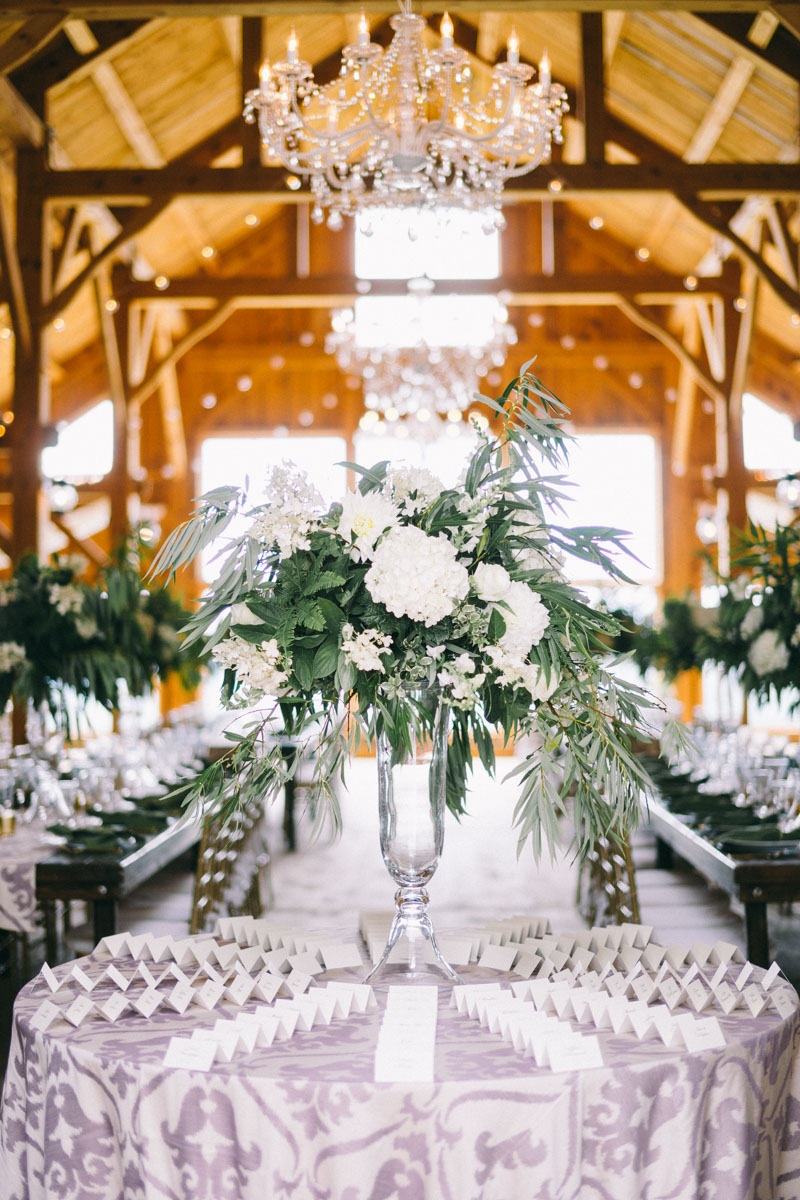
92	1114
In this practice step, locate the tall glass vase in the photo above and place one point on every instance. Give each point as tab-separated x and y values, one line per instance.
411	807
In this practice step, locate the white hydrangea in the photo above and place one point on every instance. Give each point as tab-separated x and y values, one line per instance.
363	520
490	581
417	576
412	488
526	619
8	592
364	649
66	598
86	627
256	665
795	638
461	683
12	655
293	510
768	653
753	620
514	671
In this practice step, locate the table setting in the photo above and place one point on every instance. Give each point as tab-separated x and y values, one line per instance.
256	1057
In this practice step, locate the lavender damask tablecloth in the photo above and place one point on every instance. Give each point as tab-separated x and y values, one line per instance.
19	855
92	1114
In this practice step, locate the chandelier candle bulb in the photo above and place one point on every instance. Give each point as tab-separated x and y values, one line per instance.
291	48
446	30
513	49
544	71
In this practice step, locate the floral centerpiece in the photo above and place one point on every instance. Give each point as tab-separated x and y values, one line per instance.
330	615
64	640
757	624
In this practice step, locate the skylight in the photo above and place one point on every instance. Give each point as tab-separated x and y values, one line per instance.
401	244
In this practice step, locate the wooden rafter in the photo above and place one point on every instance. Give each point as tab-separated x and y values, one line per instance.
642	319
685	402
139	220
82	545
720	110
127	185
710	216
325	291
12	274
105	9
26	41
171	409
711	321
591	110
18	121
182	347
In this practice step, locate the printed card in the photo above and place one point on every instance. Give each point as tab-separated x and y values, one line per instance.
112	946
82	979
703	1034
44	1016
755	998
743	976
148	1002
209	995
770	977
190	1054
181	996
79	1010
117	978
498	958
113	1007
579	1054
783	1002
50	979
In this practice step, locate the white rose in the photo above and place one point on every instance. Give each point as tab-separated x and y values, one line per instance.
241	615
491	581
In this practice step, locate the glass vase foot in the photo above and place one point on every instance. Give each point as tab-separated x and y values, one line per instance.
411	954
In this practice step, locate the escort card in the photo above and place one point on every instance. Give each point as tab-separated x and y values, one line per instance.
575	1054
82	979
117	978
703	1034
267	985
726	952
298	981
783	1001
143	972
581	958
676	955
498	958
743	976
725	996
462	993
112	946
50	979
156	948
339	955
770	977
652	956
208	996
190	1054
113	1007
181	996
44	1016
697	995
78	1010
526	964
718	976
700	953
362	997
671	992
239	989
148	1002
755	999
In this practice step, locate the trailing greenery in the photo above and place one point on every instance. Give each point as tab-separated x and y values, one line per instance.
323	617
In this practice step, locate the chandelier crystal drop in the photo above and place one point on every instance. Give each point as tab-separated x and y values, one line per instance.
400	127
420	378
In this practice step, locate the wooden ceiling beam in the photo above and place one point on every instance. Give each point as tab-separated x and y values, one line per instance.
706	213
106	9
62	58
332	290
780	51
644	321
130	185
28	40
720	110
592	98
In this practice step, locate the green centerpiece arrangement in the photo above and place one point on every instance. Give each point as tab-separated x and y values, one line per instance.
429	620
65	640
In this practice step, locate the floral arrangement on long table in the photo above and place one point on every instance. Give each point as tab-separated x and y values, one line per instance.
65	640
752	630
327	616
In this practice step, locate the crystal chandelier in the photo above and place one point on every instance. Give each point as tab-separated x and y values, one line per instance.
420	379
400	127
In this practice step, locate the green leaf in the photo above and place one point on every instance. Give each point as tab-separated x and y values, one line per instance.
326	659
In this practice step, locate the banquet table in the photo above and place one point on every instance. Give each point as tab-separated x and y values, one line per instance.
93	1113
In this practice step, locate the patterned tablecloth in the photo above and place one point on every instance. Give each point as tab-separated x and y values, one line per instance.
92	1114
19	855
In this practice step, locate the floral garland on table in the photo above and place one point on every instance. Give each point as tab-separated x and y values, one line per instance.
327	615
63	639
